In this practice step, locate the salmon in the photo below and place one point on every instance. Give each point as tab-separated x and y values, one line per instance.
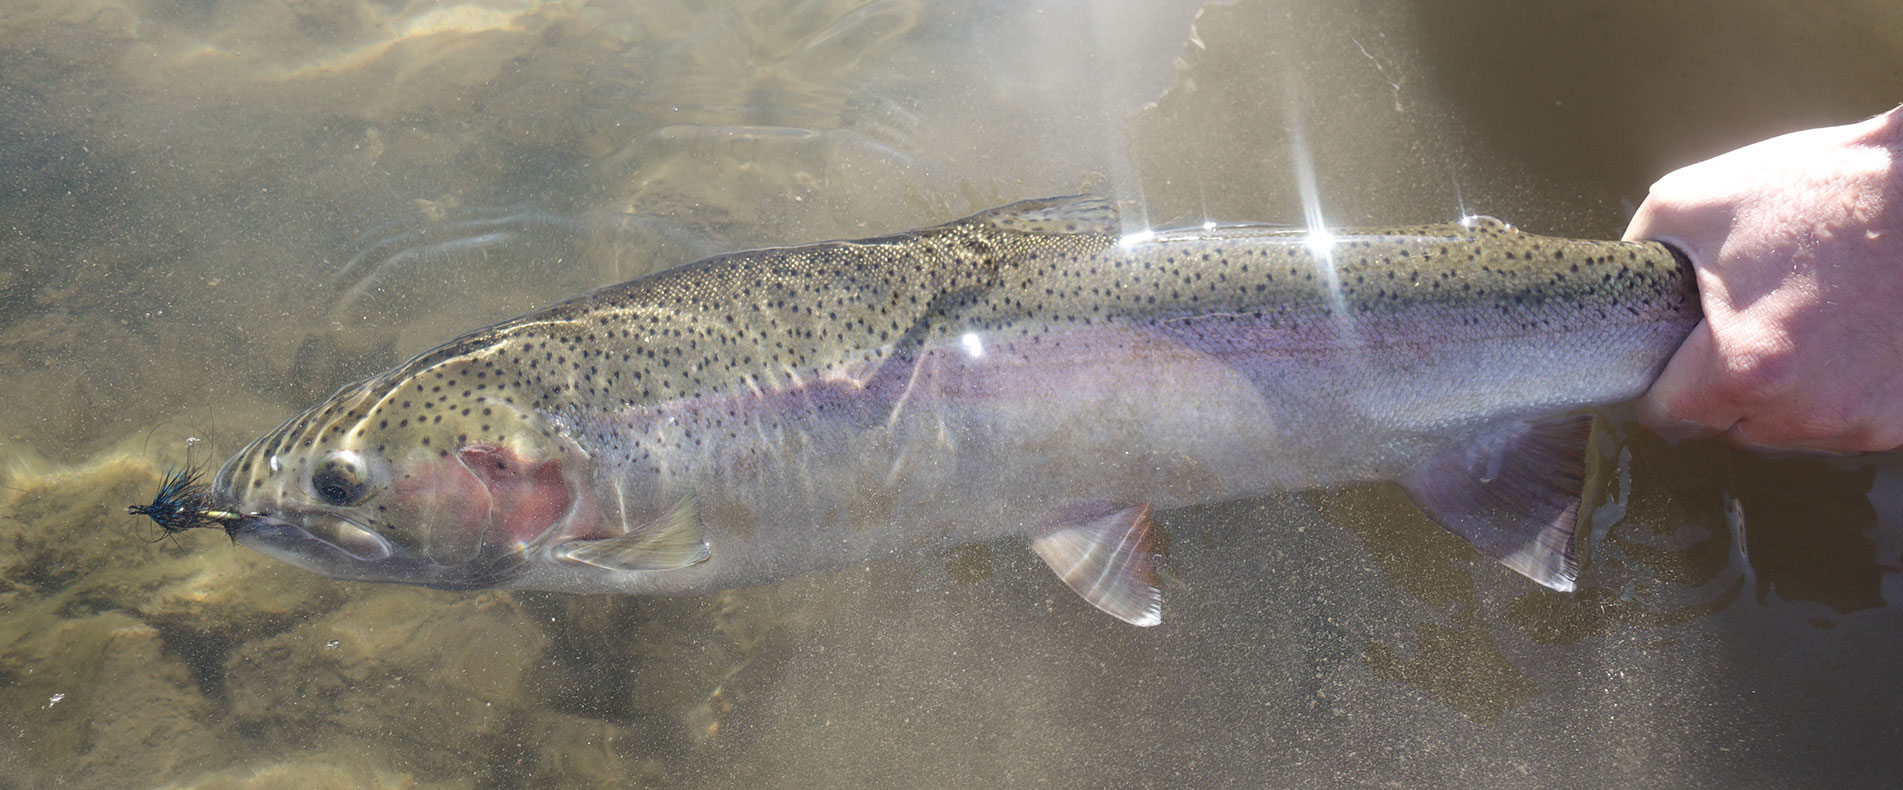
1026	371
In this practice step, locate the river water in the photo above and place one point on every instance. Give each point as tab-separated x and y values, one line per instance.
214	213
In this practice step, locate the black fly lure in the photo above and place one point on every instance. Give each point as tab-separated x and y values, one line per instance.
184	502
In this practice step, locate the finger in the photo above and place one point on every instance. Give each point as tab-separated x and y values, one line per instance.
1679	405
1681	217
1868	433
1644	220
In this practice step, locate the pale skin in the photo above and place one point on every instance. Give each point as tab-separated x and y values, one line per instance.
1798	246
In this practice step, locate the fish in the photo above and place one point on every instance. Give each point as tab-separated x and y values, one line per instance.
1027	372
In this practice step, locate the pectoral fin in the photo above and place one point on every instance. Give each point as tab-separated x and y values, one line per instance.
1514	494
674	540
1107	561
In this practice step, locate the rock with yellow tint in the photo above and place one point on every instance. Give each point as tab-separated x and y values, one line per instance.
317	772
430	681
585	753
235	594
98	702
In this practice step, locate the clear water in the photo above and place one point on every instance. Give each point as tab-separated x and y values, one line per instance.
215	212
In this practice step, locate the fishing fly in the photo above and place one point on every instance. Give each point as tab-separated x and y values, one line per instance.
185	502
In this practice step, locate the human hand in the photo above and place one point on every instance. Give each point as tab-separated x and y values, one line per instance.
1797	242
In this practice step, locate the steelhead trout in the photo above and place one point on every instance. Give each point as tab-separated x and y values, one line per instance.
1024	371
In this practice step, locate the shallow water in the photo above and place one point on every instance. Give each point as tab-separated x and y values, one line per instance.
216	213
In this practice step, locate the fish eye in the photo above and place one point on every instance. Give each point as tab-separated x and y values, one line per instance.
339	480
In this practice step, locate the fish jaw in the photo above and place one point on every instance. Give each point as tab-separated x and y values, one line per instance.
297	543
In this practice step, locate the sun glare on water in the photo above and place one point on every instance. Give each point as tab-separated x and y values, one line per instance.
1320	242
1133	239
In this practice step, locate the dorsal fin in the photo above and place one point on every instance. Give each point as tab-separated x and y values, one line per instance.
1055	216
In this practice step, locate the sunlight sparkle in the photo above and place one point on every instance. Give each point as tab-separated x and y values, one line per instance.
974	345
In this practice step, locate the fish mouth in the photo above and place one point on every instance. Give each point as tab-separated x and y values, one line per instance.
322	540
339	548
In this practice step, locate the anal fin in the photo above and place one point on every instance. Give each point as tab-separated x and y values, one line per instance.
1107	561
673	540
1513	493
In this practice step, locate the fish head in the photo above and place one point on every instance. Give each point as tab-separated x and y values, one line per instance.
435	474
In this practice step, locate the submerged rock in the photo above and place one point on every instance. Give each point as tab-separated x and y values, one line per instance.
579	752
98	702
316	772
236	596
430	681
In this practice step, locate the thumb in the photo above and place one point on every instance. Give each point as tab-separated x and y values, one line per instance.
1680	404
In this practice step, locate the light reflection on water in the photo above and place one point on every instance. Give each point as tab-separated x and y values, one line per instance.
222	211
